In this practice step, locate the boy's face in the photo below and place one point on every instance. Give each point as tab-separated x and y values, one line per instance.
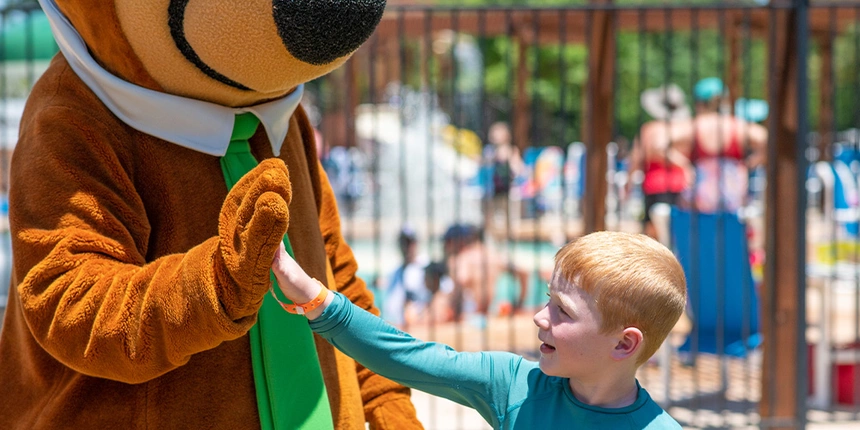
569	327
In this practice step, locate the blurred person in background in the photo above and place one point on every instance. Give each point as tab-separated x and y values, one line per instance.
441	288
723	149
406	295
506	164
475	270
666	170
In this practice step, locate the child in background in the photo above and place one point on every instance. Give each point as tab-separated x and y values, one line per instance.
475	269
613	298
407	296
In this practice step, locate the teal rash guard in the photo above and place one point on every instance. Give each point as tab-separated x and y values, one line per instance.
509	391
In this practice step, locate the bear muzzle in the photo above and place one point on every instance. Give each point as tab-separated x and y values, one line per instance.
316	32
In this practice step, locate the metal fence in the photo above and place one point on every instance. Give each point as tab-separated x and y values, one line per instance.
409	129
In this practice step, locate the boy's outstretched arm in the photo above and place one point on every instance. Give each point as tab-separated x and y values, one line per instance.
480	380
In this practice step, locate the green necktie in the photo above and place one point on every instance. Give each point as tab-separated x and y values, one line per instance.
287	376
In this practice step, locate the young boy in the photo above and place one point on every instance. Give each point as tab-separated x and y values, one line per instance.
613	298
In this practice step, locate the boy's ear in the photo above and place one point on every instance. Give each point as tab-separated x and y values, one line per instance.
629	344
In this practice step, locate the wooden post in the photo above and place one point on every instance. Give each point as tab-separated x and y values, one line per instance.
782	300
598	110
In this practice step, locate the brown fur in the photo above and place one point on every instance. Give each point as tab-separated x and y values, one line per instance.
137	275
97	20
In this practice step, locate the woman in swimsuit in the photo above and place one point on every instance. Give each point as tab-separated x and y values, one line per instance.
666	170
722	150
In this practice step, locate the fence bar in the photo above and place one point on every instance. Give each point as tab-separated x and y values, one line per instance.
747	298
401	90
799	330
855	145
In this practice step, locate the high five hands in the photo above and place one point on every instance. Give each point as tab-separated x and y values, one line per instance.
297	286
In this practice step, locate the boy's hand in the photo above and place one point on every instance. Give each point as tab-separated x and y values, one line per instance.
295	283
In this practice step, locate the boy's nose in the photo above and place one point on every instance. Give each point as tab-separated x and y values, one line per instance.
541	318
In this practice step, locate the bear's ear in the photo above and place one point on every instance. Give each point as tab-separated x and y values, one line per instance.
97	23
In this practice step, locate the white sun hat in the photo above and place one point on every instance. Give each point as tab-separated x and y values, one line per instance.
666	102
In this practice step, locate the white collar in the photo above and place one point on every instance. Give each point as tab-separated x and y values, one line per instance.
195	124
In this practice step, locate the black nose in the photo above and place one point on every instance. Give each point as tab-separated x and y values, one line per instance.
320	31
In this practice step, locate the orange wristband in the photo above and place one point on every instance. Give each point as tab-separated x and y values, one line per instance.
303	308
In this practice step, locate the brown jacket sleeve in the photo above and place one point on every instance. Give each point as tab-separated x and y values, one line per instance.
387	404
81	236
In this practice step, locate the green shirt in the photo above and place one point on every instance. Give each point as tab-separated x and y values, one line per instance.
509	391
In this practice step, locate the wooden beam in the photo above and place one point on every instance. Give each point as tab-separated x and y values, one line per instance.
782	288
597	131
495	21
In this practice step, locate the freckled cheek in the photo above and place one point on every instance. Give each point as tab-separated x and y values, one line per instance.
570	343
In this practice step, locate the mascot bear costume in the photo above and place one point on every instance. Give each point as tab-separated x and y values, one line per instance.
141	270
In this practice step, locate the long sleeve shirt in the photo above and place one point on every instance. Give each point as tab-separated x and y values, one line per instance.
509	391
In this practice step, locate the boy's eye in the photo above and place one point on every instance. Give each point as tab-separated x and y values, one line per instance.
560	309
